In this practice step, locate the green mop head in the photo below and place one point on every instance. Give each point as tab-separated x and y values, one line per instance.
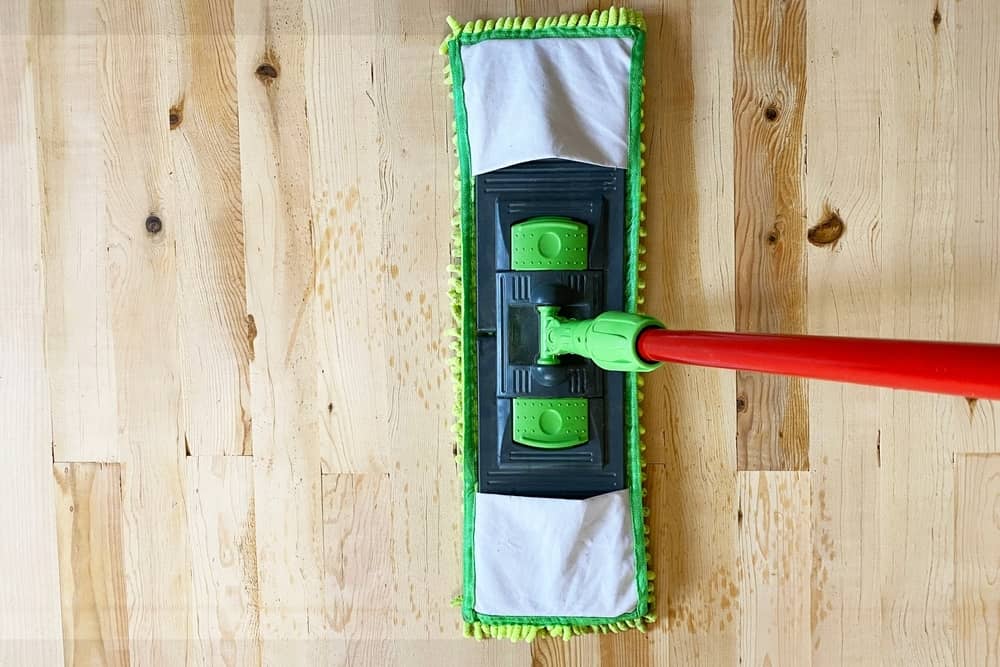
548	123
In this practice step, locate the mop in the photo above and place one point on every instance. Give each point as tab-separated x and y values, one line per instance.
549	346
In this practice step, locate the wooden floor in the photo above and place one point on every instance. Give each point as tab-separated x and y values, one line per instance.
225	403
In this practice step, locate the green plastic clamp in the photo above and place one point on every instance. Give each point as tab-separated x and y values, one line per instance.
551	423
548	243
609	340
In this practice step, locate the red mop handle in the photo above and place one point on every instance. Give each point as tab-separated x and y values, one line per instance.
964	369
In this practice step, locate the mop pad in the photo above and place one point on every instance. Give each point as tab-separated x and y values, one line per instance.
539	92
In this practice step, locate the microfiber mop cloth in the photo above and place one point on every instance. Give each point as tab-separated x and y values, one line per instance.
525	90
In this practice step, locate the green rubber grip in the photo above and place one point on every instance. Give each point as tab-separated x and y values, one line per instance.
548	243
609	340
551	423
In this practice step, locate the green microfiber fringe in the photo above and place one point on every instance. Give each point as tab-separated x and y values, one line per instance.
565	25
528	632
461	292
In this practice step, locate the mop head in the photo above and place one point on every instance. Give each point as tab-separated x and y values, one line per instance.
547	551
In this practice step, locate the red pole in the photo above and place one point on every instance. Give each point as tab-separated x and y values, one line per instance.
963	369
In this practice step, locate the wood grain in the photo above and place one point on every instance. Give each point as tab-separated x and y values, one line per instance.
91	578
291	308
381	216
352	230
289	559
977	201
78	342
279	328
205	211
769	89
690	413
134	85
224	597
580	652
424	653
359	563
843	191
917	227
30	628
977	559
391	529
774	562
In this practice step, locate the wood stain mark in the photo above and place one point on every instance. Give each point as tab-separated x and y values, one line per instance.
828	231
936	19
770	73
266	72
154	225
176	114
971	400
247	422
251	334
351	200
701	613
306	296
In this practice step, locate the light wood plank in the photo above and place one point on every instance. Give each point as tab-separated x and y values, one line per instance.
224	597
582	651
769	92
280	330
78	343
977	200
434	652
353	198
917	227
977	559
134	97
206	215
360	568
638	649
690	413
91	579
898	124
392	561
775	562
843	191
30	627
289	557
424	653
381	214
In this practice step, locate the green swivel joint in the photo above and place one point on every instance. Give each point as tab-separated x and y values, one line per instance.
609	340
